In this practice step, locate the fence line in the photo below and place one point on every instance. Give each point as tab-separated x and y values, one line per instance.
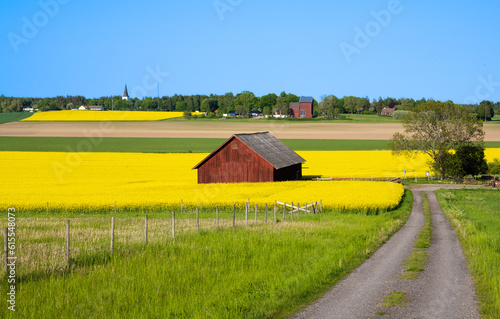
39	255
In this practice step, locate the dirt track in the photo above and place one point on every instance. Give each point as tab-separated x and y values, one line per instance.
443	290
215	129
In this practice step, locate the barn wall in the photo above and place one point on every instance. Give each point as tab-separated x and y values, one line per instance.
235	165
289	173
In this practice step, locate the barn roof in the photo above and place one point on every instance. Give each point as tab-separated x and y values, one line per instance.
306	99
267	146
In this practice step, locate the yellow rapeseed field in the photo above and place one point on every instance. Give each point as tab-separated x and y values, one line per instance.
93	116
93	181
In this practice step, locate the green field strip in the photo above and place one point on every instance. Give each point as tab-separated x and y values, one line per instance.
166	145
173	145
13	117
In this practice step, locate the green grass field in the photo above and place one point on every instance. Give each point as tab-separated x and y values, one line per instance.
175	145
475	215
259	271
168	145
13	117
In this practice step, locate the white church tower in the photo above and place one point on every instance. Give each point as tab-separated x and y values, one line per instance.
125	94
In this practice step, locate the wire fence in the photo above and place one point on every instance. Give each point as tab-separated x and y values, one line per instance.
53	244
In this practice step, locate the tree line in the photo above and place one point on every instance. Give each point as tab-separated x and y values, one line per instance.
332	106
242	103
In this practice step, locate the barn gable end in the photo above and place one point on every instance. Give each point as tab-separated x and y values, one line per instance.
256	157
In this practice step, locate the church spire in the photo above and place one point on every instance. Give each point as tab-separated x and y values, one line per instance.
125	94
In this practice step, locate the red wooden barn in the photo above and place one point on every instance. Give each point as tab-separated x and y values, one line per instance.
255	157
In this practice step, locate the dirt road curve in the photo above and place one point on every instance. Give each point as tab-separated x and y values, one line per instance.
444	290
215	129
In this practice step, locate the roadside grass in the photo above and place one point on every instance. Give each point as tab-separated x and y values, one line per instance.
261	270
13	117
475	215
394	299
415	263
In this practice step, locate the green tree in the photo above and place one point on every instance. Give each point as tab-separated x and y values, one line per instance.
435	129
180	106
494	167
350	103
467	160
471	159
268	100
266	110
485	111
282	106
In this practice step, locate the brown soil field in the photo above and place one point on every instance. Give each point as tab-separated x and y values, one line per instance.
215	129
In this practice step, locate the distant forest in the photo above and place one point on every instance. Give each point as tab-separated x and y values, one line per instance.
241	103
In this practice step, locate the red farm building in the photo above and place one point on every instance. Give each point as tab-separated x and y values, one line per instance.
302	109
255	157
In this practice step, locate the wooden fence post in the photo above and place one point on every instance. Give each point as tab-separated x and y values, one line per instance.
182	204
256	213
284	211
234	214
47	207
246	214
265	217
173	224
291	213
298	209
112	233
197	220
321	206
217	214
67	242
6	250
275	212
146	230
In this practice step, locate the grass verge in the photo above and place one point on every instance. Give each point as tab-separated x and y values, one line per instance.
415	263
475	215
395	299
258	271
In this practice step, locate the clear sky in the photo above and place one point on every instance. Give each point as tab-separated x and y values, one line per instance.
447	50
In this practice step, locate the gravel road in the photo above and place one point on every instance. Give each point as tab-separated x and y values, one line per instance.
443	290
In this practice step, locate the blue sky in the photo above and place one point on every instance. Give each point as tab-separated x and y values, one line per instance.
445	50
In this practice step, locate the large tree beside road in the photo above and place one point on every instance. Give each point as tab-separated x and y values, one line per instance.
437	129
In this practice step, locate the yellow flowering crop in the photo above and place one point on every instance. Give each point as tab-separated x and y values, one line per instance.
492	153
93	181
363	164
102	116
